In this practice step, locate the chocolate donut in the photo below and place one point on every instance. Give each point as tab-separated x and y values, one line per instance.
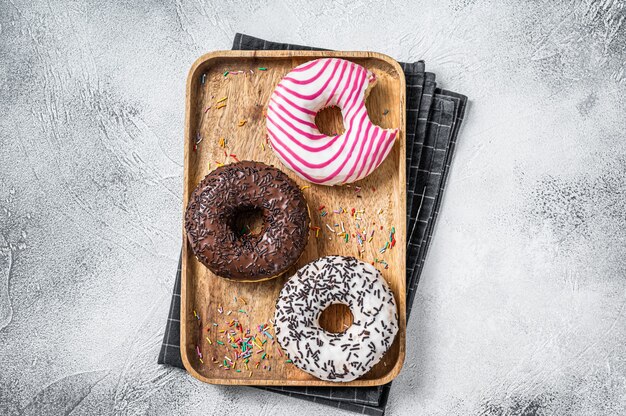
232	190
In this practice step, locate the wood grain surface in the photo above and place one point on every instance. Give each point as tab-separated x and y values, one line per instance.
211	304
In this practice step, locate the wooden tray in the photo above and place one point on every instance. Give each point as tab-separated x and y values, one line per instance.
381	195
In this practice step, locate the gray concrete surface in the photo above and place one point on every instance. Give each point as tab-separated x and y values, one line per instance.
522	305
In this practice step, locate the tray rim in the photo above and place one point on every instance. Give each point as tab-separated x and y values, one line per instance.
193	73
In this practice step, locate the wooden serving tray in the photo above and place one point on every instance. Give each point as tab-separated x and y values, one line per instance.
379	201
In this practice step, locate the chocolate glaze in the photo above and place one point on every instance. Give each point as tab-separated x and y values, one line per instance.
239	187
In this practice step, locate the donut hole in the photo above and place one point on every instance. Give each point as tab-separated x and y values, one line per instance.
336	318
248	221
329	121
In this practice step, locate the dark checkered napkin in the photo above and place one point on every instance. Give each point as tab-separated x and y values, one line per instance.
433	118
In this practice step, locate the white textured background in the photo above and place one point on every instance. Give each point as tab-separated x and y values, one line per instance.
522	304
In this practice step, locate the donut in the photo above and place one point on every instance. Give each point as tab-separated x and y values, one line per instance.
298	143
231	190
336	356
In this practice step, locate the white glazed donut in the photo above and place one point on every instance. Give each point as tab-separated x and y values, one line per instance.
321	159
336	356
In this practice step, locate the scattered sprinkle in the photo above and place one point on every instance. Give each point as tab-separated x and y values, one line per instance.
383	262
262	69
382	250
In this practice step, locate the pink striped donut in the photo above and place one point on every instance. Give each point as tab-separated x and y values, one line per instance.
315	157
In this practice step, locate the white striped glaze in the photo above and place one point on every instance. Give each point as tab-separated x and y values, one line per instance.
315	157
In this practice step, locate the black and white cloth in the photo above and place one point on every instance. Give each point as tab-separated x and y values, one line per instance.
434	117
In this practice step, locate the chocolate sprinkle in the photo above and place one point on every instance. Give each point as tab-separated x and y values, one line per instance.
231	190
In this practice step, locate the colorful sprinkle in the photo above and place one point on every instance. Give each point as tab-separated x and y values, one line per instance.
317	230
